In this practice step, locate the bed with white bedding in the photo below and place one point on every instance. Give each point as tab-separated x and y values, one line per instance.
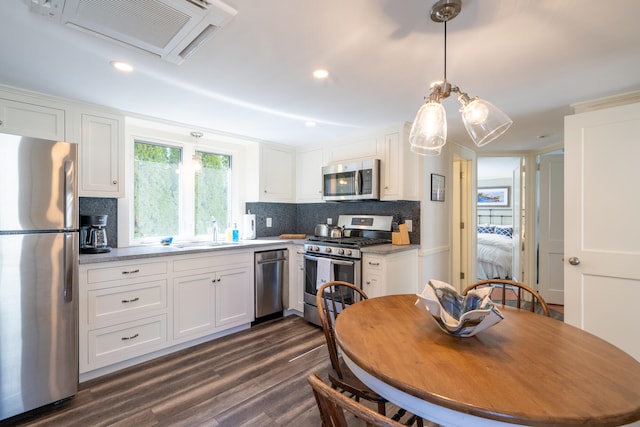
495	248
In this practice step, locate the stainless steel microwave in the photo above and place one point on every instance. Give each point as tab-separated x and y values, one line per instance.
352	181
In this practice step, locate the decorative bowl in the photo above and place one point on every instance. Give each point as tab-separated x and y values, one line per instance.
458	315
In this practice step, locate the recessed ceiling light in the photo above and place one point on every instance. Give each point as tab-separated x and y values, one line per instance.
310	124
321	74
122	66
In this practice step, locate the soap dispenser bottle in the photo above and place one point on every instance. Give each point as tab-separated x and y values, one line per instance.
235	233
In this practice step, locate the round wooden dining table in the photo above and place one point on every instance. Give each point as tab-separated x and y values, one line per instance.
528	369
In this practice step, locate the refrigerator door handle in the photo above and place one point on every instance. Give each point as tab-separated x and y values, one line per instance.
69	194
69	266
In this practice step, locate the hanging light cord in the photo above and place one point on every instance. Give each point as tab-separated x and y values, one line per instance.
445	51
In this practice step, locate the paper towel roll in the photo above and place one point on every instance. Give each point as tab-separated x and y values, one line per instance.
249	227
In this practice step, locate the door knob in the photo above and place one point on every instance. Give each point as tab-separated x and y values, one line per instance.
574	260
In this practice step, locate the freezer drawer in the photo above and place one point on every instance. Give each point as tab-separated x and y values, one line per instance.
38	327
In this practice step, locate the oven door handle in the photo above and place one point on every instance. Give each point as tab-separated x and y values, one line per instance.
333	261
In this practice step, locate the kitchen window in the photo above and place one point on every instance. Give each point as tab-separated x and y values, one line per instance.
171	199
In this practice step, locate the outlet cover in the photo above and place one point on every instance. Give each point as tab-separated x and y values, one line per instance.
329	221
269	222
409	225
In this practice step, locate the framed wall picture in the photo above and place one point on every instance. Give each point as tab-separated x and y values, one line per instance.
437	187
494	197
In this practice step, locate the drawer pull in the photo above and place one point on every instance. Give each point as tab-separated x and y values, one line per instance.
129	338
125	301
137	270
374	263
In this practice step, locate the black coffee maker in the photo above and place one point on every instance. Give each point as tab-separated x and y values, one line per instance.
93	234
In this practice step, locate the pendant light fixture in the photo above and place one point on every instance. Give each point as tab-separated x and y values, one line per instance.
484	121
196	160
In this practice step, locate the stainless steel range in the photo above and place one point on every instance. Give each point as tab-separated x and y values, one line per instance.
331	258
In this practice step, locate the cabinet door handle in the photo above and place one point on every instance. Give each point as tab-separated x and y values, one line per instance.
114	182
137	270
130	338
125	301
374	263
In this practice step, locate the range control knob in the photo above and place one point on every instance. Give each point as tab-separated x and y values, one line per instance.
349	252
328	250
341	251
316	249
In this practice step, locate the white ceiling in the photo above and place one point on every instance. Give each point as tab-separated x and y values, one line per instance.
531	58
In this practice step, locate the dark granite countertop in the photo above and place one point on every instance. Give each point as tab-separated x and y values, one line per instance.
375	249
387	249
151	251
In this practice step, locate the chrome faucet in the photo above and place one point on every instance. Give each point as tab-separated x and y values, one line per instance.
214	227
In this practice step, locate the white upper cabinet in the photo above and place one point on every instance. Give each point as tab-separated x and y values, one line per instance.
309	176
33	120
354	150
277	178
399	170
399	174
101	154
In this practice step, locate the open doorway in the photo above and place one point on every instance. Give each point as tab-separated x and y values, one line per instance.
500	218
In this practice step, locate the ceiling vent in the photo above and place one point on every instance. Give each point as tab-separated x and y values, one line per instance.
171	29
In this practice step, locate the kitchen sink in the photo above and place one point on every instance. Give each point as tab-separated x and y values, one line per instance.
205	244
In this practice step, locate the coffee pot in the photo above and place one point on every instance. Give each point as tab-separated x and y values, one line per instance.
93	234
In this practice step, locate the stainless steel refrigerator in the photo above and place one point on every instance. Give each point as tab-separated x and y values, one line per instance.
38	273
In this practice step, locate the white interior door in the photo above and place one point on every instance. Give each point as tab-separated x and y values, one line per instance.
551	231
602	231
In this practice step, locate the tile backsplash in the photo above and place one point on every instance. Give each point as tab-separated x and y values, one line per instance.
102	206
285	217
302	218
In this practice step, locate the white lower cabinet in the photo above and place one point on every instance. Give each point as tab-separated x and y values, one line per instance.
390	274
296	279
131	309
119	342
123	311
206	302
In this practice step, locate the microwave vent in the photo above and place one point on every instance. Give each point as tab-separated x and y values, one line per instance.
171	29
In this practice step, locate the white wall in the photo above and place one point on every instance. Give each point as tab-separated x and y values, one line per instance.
435	252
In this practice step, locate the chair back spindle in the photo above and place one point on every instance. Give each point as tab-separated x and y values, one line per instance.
525	295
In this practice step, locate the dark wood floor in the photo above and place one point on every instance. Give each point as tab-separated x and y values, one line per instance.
255	377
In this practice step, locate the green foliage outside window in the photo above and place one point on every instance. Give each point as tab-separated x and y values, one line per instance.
211	192
156	190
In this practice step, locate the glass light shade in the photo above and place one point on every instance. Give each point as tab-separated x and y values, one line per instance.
484	121
429	129
197	163
426	151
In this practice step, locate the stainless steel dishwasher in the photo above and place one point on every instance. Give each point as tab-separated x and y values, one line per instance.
271	277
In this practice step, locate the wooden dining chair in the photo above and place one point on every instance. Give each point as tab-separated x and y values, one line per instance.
525	296
332	406
331	299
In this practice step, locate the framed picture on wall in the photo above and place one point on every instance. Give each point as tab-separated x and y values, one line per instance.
494	197
437	187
